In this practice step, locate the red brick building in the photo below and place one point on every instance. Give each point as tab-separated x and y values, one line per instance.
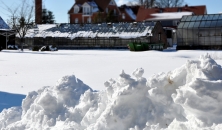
89	11
144	14
96	11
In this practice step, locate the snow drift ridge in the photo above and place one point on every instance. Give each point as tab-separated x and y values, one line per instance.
186	98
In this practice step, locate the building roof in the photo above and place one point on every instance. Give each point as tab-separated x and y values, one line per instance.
169	16
72	31
129	10
3	25
201	21
146	13
102	4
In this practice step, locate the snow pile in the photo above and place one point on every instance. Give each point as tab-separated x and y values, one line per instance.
186	98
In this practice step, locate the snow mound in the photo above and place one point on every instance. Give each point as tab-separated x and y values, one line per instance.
184	99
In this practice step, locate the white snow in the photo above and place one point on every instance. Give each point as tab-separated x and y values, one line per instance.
73	31
166	16
185	98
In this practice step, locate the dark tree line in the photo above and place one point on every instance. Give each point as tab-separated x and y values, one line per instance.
161	3
47	17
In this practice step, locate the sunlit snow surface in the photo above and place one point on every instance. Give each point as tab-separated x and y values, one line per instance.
187	98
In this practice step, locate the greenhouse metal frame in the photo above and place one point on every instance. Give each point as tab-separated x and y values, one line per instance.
200	32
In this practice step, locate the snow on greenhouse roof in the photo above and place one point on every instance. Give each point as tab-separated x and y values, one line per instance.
3	25
71	31
166	16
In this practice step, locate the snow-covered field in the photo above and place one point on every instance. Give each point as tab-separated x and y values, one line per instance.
184	98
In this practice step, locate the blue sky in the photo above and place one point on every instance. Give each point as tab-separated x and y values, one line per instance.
61	7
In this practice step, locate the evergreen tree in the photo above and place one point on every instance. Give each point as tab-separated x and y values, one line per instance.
47	17
111	17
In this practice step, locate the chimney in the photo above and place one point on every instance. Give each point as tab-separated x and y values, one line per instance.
38	11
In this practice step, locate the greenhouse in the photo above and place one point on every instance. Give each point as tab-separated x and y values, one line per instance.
200	32
104	35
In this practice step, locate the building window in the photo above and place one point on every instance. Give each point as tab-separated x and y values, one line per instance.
107	10
159	36
161	11
76	20
76	10
123	16
114	11
86	10
89	20
179	10
112	3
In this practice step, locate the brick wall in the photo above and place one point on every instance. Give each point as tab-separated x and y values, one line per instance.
158	29
38	11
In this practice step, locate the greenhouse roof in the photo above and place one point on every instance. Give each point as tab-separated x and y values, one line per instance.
201	21
71	31
3	25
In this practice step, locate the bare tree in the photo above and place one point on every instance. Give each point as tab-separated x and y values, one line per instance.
147	3
21	18
169	3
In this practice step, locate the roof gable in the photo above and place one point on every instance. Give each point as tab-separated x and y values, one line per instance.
112	2
86	4
101	4
3	25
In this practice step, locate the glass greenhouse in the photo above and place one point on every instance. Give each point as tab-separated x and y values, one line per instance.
200	32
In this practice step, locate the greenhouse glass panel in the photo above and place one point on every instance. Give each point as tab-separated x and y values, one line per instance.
184	36
213	24
205	17
218	32
202	24
195	36
184	18
188	18
218	40
207	24
191	24
220	17
219	24
194	18
199	18
179	37
201	36
211	33
205	32
190	36
196	24
181	25
212	40
210	17
207	40
186	24
216	16
201	40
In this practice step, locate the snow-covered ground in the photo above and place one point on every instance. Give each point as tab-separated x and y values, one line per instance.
22	72
184	98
